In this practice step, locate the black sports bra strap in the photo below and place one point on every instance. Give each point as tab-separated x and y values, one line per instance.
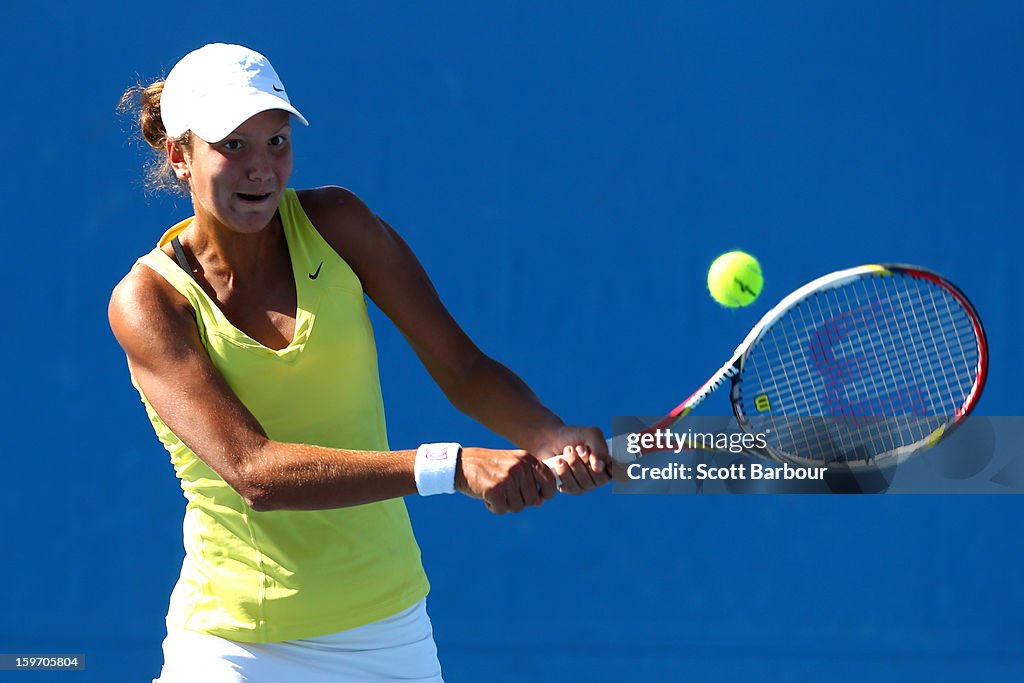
179	253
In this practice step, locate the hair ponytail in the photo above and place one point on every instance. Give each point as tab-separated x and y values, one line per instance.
142	103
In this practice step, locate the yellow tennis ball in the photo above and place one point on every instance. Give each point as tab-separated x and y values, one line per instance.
735	279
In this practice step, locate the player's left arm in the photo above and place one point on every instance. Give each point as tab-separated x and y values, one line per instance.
474	382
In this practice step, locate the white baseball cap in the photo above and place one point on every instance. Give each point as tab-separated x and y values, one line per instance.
216	88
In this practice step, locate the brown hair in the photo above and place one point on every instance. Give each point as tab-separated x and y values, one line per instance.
142	103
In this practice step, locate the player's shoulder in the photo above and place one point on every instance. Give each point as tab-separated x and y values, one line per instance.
332	203
143	297
344	220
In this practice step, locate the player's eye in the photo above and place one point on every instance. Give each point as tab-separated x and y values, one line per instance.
232	144
278	141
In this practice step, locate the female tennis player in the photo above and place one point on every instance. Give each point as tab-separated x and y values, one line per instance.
247	337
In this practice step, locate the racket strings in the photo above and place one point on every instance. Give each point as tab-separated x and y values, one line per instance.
861	370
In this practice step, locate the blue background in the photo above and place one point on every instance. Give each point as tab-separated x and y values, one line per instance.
566	172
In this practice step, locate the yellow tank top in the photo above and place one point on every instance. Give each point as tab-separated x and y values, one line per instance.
286	575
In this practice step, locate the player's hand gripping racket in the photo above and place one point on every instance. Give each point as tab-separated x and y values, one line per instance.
864	366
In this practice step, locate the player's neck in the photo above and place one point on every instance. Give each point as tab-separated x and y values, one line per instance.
231	253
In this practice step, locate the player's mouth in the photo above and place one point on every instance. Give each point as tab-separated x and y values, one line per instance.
253	198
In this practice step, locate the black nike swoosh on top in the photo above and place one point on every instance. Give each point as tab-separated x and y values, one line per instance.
313	276
276	89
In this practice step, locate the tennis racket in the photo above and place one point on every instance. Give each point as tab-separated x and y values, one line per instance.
864	366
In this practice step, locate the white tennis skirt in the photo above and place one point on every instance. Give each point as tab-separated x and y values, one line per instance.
398	648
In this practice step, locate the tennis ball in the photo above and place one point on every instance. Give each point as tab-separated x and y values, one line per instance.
735	279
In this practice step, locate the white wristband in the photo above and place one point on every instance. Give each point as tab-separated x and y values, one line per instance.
435	468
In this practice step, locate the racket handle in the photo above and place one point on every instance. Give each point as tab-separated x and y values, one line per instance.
550	462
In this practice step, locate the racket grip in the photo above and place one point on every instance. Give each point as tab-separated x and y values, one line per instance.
550	462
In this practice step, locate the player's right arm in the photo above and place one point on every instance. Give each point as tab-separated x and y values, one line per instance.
156	327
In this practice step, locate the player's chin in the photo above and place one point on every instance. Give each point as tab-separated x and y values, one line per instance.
254	213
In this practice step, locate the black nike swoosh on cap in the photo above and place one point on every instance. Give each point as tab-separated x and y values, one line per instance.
276	89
